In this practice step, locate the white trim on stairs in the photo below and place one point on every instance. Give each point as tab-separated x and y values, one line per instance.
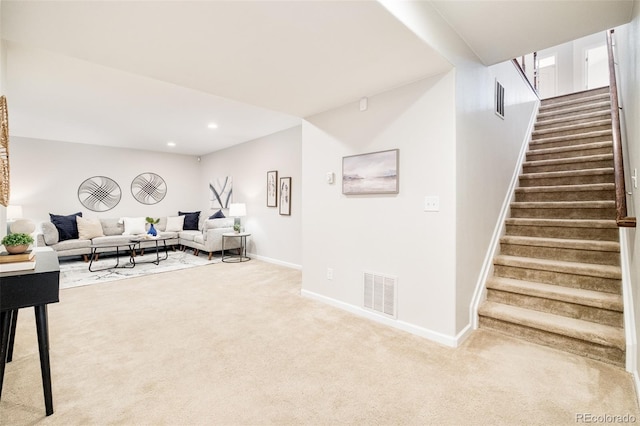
629	313
487	266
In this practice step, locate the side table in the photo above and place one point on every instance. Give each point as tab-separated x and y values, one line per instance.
22	289
242	255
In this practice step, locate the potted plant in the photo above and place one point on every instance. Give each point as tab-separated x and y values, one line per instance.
17	243
152	230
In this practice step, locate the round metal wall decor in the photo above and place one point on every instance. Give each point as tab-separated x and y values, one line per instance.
148	188
99	193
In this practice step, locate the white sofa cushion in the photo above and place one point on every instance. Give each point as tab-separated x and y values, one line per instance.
133	225
175	223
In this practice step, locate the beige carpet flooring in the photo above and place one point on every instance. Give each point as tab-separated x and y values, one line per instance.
236	344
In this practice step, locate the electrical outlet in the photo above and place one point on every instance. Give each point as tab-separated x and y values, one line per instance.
329	273
432	203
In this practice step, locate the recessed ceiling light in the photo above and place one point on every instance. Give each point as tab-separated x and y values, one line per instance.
171	143
212	126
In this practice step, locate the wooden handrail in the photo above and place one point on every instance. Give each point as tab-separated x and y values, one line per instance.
522	71
618	165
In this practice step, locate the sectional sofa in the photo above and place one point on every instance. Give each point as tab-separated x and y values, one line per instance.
184	230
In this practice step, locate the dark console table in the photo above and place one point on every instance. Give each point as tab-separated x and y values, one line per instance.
23	289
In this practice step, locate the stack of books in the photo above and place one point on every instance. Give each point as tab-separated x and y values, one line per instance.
17	262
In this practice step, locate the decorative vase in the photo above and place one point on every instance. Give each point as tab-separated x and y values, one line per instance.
17	249
152	231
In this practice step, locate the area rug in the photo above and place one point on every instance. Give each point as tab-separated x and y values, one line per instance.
75	273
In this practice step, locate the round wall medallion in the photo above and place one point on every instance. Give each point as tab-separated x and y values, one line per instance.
148	188
99	193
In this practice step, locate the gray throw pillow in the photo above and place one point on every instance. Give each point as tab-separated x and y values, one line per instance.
50	233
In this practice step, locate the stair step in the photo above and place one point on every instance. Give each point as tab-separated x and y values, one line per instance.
586	192
581	118
595	299
568	140
572	129
600	105
569	163
587	305
569	177
594	148
584	251
605	278
564	209
597	95
557	279
599	230
584	338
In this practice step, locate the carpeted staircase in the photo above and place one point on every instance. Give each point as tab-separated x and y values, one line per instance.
557	279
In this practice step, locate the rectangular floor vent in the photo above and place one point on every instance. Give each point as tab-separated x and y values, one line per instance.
380	293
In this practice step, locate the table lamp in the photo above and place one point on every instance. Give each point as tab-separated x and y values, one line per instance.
237	211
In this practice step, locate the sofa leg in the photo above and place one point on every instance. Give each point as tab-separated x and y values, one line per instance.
210	255
196	252
86	258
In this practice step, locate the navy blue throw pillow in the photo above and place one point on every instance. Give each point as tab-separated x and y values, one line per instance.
66	225
217	215
191	220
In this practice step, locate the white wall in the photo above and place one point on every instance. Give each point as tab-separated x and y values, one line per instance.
274	237
627	40
487	154
570	62
387	234
486	148
45	176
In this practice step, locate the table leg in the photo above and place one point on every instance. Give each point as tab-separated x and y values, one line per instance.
13	319
4	339
166	252
222	257
43	346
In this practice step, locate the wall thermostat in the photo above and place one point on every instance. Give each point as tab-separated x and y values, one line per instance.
330	177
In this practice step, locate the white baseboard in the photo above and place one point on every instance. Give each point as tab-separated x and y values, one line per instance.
451	341
631	364
275	261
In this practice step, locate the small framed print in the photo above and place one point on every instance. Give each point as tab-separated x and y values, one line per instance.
272	188
285	196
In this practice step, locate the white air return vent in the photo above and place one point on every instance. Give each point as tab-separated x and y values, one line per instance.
380	293
499	100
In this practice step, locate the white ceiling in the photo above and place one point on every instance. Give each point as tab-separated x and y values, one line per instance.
498	31
140	74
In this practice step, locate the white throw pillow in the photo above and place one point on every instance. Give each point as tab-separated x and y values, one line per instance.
175	223
133	225
89	228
